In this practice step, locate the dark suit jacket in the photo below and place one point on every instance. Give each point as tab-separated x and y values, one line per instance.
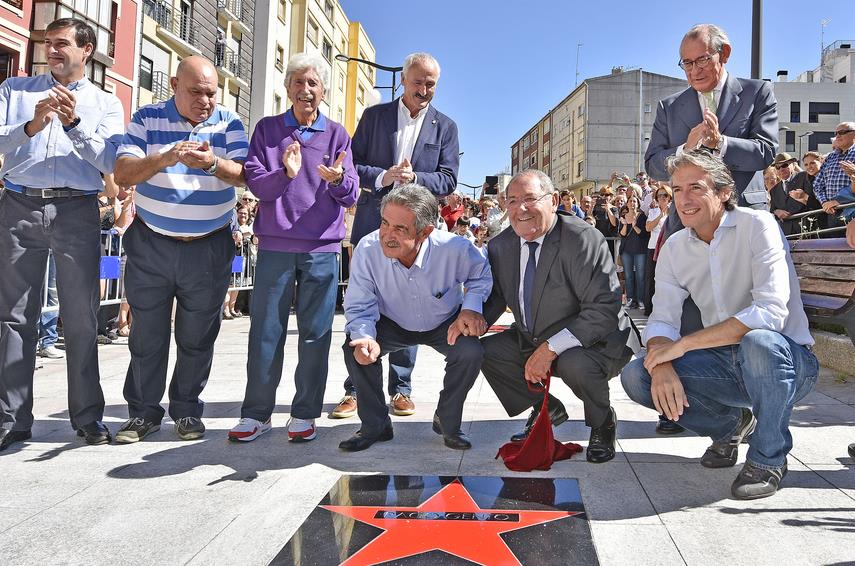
747	115
435	159
575	287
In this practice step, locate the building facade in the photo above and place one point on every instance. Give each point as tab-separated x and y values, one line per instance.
112	67
602	126
811	105
287	27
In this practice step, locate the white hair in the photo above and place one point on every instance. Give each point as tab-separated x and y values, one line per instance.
303	61
424	58
711	34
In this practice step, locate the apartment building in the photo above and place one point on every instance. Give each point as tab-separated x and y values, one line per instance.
220	30
811	105
286	27
603	125
113	66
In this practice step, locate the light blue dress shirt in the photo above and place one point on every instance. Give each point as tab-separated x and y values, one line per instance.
55	158
448	272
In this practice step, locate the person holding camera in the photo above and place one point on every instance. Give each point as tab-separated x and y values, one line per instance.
633	251
605	217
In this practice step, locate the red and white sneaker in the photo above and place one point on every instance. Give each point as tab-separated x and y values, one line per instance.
301	430
249	429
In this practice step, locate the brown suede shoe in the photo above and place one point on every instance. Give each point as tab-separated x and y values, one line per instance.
345	408
402	405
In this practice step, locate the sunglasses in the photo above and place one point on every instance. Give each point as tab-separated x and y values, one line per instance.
843	132
782	166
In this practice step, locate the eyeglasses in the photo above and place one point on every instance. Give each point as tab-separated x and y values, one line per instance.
527	201
702	62
249	199
843	132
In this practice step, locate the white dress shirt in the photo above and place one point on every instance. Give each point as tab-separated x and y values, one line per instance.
703	102
745	272
561	340
405	137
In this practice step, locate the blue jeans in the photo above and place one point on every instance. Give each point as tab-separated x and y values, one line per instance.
315	276
633	271
48	320
766	372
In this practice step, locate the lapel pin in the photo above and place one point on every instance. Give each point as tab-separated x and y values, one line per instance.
433	122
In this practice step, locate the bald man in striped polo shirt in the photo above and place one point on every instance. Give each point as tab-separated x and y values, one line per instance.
185	156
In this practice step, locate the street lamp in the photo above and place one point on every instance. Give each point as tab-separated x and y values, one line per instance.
394	70
808	133
783	137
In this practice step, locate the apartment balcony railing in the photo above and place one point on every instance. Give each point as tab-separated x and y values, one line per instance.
19	4
231	63
160	89
178	24
233	7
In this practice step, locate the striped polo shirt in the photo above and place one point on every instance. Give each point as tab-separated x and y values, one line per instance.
178	200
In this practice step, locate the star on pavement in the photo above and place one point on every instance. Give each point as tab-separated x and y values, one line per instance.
450	521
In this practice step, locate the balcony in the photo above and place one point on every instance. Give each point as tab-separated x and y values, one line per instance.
179	29
234	11
160	89
232	66
18	4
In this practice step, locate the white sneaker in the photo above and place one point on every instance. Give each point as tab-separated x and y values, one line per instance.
301	430
249	429
51	352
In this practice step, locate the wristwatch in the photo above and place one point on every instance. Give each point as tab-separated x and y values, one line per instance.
72	125
213	168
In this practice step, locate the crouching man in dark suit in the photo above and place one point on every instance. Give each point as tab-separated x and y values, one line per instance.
556	274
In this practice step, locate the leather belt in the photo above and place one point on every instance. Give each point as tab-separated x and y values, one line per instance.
62	192
181	238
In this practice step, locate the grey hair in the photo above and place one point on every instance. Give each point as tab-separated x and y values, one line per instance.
420	57
303	61
417	199
713	36
712	165
545	181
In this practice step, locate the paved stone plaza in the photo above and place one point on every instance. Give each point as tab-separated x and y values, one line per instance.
164	501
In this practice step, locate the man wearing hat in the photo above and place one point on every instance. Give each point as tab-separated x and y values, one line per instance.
785	199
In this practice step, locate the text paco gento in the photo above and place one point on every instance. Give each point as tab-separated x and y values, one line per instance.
446	516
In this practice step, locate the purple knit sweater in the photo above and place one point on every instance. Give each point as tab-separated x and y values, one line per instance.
303	214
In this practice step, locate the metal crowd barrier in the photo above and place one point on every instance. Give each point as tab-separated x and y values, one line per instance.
809	224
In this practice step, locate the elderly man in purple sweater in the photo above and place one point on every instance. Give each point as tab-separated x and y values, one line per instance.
300	167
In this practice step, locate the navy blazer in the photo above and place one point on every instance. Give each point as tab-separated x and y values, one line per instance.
435	159
747	115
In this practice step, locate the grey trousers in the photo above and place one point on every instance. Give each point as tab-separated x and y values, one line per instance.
462	362
29	227
586	372
161	270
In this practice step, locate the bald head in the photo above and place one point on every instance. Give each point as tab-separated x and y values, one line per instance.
195	87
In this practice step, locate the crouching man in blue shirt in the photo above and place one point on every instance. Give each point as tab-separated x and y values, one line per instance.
409	285
751	362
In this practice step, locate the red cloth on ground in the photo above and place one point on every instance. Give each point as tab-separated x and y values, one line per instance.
540	449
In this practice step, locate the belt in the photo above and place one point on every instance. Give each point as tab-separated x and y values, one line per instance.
62	192
181	238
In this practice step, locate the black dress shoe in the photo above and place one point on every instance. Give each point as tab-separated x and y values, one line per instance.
95	433
358	442
667	426
455	441
557	414
10	437
601	446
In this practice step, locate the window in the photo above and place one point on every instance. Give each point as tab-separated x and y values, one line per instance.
546	127
282	10
647	109
817	138
532	161
328	10
817	109
580	168
581	111
546	148
280	57
534	137
326	49
360	96
340	119
277	104
795	112
145	73
341	81
790	141
515	152
312	32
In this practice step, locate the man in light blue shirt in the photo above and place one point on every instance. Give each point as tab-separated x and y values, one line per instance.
409	285
743	371
58	135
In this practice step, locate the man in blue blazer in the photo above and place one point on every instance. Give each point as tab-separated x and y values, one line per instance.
403	141
734	118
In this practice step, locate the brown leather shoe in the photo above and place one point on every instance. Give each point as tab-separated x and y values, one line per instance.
345	408
402	405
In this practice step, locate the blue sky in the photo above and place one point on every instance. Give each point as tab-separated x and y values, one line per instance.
506	63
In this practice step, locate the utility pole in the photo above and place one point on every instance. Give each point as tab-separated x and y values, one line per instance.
578	48
756	39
